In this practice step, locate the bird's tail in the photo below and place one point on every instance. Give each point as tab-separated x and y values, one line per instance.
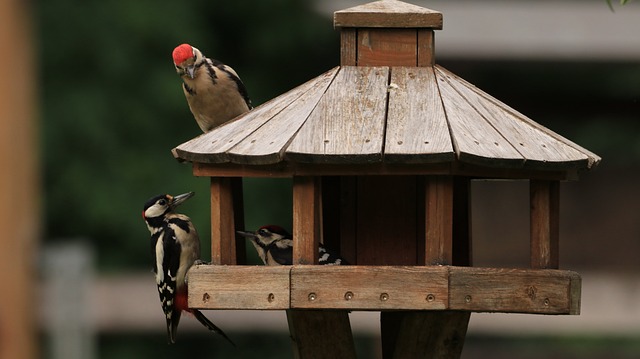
209	325
172	326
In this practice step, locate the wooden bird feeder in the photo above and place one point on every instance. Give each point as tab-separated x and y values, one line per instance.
382	150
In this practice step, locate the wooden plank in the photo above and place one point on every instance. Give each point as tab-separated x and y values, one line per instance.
348	124
514	290
266	144
425	334
387	47
223	228
369	287
321	334
239	287
348	47
545	224
439	220
417	130
475	140
212	146
306	219
388	14
539	148
593	158
426	48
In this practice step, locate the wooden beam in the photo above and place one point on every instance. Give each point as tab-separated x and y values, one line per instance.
321	334
223	219
348	47
545	223
439	220
306	219
426	48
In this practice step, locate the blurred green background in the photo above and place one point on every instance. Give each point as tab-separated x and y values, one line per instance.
112	108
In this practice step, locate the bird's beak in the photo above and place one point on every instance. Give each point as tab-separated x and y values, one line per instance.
191	71
247	234
179	199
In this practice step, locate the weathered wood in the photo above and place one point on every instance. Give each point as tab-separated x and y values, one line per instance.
537	146
417	129
545	223
239	287
369	287
426	48
212	146
475	140
388	14
223	227
348	47
387	47
348	123
514	290
439	220
266	144
321	334
439	334
306	219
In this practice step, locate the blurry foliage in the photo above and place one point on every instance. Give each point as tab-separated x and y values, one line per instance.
113	108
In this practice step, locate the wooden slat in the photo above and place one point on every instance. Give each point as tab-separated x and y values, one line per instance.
514	290
426	47
439	220
369	288
545	224
321	334
266	144
223	228
388	14
387	47
306	219
239	287
417	130
539	148
347	126
212	146
348	52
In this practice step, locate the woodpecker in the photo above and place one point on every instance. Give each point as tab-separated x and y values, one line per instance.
176	247
275	247
213	90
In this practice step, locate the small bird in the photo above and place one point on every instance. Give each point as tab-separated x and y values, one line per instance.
275	247
176	247
213	90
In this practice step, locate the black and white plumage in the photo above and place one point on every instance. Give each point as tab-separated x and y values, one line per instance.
175	246
275	247
213	90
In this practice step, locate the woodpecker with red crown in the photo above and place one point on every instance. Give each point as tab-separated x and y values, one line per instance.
275	247
176	247
213	90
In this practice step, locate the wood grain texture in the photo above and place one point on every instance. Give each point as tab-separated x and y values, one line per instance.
347	126
426	48
369	287
388	14
387	47
321	334
239	287
266	144
514	290
439	220
545	224
417	130
475	140
540	149
306	219
223	228
348	47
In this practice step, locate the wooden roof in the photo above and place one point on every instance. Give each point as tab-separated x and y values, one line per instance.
387	115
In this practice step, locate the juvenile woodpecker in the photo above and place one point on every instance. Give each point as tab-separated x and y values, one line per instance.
175	246
213	90
275	247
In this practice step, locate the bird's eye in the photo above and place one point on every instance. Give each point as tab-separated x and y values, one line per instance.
263	232
162	202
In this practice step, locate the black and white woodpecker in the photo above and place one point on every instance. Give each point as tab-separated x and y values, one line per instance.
275	247
176	247
213	90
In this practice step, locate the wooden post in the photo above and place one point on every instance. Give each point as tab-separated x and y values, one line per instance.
19	184
545	223
226	216
306	219
439	220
